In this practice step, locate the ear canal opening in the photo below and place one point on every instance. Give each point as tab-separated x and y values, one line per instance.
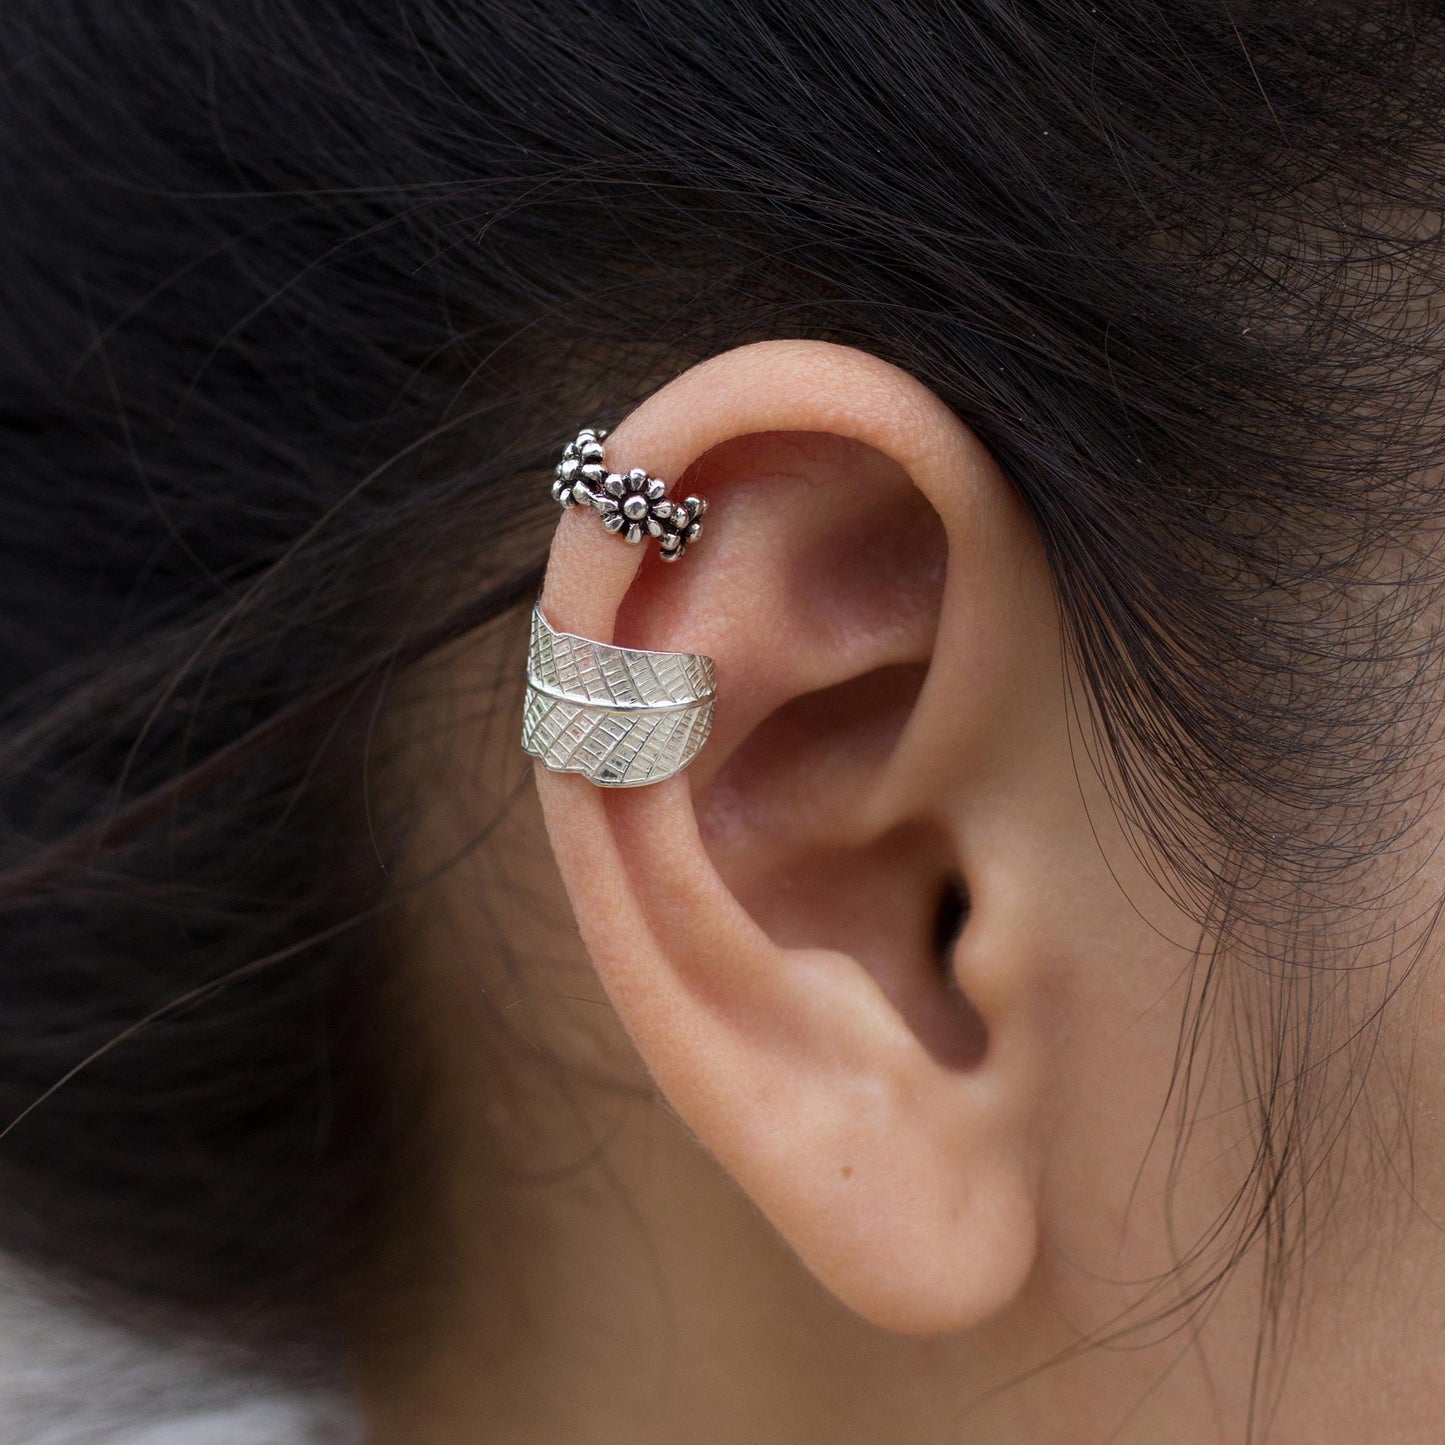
949	917
969	1032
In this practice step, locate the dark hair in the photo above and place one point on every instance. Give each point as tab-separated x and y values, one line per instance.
301	297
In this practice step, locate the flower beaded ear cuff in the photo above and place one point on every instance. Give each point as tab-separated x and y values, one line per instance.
622	717
631	504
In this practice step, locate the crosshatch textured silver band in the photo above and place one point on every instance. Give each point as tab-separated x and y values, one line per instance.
632	505
621	716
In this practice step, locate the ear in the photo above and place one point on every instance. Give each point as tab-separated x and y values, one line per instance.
828	937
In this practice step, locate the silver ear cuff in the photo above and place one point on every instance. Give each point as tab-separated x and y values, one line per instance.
631	504
621	716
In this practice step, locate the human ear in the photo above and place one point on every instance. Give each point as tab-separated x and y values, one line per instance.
828	937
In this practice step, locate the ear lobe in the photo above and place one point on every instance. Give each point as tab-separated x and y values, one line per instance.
772	926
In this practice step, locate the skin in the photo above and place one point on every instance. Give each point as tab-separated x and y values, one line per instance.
720	1147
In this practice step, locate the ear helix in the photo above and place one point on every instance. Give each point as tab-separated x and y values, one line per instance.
621	717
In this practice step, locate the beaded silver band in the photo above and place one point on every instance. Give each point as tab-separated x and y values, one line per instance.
631	504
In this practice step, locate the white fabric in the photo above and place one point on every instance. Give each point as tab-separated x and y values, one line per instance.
68	1379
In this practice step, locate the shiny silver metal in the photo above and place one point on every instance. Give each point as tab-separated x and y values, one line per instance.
631	504
621	716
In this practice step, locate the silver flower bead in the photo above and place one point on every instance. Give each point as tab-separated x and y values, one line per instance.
683	526
581	471
634	505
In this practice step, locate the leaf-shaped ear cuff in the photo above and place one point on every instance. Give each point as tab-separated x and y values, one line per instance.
631	504
620	716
